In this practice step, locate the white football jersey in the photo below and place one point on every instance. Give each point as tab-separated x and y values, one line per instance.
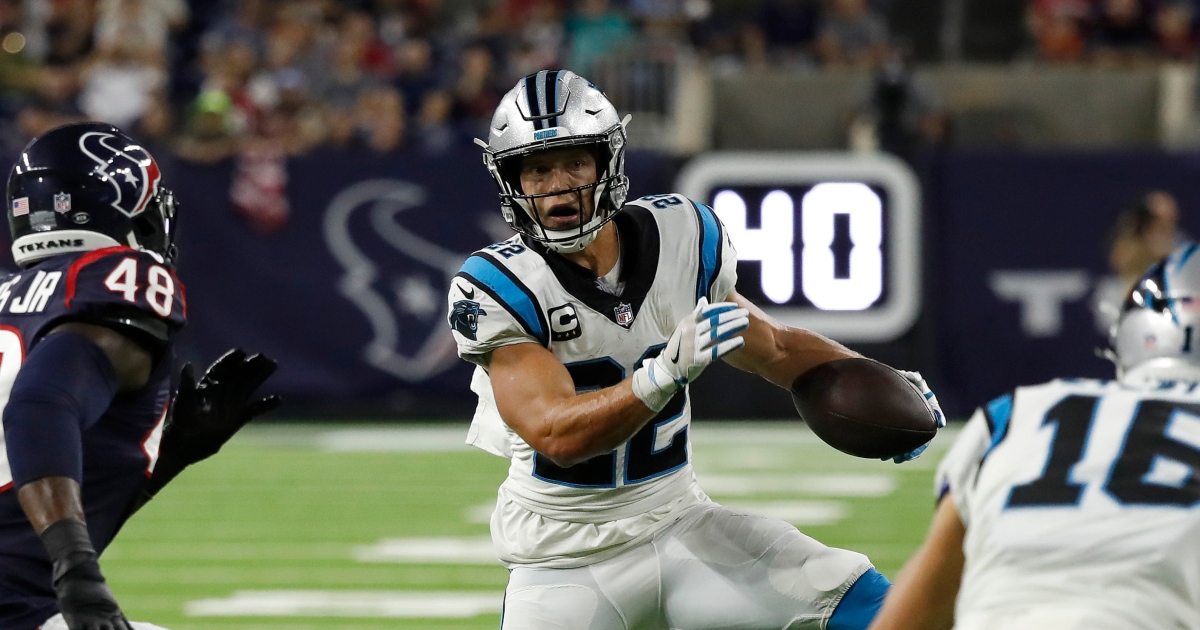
673	252
1081	500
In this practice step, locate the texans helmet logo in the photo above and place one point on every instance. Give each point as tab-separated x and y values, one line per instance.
129	169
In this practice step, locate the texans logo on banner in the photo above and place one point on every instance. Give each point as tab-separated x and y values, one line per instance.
129	169
396	277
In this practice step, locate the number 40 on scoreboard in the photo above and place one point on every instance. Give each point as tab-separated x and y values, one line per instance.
830	242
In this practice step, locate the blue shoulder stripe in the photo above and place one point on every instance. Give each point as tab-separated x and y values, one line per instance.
998	413
504	287
710	250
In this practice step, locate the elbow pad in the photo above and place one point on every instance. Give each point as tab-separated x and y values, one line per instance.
63	388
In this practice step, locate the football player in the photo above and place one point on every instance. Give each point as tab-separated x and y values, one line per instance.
1075	504
86	333
587	328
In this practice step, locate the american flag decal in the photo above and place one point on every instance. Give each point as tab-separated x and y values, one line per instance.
20	206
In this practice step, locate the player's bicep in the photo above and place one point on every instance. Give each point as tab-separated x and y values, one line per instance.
526	379
777	352
131	362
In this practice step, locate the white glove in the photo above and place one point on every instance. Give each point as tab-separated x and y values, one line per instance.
707	334
931	401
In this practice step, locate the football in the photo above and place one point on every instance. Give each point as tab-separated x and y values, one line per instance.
863	408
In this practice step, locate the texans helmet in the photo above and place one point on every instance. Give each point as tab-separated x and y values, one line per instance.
545	110
86	186
1158	334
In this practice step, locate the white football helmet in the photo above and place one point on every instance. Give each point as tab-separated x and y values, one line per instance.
549	109
1157	336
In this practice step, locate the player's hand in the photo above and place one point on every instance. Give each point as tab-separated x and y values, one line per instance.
207	413
710	332
88	604
931	401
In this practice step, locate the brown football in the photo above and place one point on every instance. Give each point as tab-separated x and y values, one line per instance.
863	408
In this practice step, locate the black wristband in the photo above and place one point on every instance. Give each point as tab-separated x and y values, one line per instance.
70	549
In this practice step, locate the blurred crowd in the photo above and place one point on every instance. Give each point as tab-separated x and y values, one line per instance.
214	78
1113	31
219	77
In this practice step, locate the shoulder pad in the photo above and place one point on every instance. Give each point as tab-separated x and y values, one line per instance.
124	279
486	272
507	249
662	202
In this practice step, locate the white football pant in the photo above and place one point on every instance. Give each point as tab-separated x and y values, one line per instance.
714	568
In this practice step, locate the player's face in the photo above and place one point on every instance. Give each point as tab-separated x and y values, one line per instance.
557	170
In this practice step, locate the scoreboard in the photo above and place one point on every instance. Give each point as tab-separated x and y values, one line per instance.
830	242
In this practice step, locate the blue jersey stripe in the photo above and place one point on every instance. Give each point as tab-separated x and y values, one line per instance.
710	249
998	413
508	291
1187	253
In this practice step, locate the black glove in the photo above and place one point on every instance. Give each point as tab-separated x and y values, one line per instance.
205	415
84	598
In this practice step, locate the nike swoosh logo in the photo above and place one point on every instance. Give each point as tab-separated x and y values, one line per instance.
676	359
592	112
470	295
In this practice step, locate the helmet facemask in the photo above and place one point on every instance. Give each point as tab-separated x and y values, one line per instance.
154	228
520	208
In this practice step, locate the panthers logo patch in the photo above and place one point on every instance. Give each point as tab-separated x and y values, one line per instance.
465	318
130	170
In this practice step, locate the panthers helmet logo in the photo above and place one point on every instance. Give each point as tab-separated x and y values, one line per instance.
130	170
465	318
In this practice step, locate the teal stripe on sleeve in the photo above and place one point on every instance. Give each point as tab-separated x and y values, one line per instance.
710	249
509	292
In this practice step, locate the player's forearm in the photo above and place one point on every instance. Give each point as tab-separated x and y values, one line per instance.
785	353
780	353
916	601
576	428
49	500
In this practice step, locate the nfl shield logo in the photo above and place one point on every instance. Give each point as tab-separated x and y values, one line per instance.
624	313
62	203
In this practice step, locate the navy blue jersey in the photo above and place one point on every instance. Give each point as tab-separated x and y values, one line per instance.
134	293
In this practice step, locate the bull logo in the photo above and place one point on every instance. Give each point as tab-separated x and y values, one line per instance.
465	318
129	169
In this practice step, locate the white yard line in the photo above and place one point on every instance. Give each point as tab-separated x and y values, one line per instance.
389	604
846	485
462	550
480	514
451	436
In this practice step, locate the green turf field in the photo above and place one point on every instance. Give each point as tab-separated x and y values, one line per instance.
321	526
